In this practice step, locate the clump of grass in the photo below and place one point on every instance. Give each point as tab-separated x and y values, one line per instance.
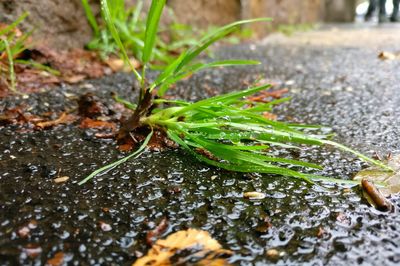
225	131
131	27
12	43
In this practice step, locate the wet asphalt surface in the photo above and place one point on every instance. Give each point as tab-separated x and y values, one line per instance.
339	84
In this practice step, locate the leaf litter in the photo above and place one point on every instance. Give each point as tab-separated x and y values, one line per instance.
183	247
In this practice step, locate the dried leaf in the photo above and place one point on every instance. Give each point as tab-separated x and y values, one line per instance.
90	123
264	96
90	105
390	180
57	260
63	119
270	116
74	78
191	245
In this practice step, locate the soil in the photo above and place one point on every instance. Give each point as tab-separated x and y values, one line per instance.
106	221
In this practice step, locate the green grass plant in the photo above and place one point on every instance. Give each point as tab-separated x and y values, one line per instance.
131	28
226	131
11	46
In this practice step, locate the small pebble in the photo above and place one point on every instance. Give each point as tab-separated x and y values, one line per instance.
61	179
104	226
253	195
272	254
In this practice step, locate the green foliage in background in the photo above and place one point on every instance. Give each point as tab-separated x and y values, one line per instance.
12	43
131	28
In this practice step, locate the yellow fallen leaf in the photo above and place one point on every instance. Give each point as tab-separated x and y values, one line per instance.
388	182
194	246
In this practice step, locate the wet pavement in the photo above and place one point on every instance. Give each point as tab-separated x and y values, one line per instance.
335	78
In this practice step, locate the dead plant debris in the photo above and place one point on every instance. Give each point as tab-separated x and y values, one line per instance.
56	260
63	119
192	245
266	96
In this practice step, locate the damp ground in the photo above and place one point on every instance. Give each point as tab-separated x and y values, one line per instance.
335	78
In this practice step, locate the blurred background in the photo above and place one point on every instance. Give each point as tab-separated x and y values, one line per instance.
63	24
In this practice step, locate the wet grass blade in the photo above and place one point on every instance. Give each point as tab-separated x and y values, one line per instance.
151	28
223	98
166	79
116	163
115	35
10	66
126	103
214	36
235	167
358	154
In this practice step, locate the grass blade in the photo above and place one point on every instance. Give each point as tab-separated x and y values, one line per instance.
151	28
116	163
13	25
114	33
90	17
358	154
10	66
214	36
222	98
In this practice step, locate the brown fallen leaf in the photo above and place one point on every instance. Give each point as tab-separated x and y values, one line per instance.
75	78
63	119
90	105
264	95
194	246
270	116
57	260
206	153
90	123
